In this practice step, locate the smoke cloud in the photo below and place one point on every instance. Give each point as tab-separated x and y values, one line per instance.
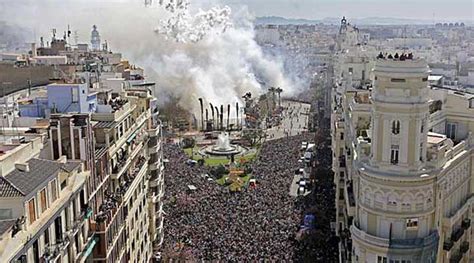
218	63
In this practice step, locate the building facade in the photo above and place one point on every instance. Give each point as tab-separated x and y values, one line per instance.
403	156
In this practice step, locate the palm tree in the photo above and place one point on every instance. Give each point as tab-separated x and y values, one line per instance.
272	91
212	110
207	119
222	116
217	117
279	91
202	113
228	115
237	115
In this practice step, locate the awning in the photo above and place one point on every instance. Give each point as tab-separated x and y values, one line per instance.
130	139
90	247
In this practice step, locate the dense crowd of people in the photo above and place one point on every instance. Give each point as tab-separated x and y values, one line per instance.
211	223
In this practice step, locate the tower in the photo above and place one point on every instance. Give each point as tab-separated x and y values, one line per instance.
395	216
95	39
399	115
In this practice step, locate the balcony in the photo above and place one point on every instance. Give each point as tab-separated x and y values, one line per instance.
464	247
455	258
457	234
448	245
429	241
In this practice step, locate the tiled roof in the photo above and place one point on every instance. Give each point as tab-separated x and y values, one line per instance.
100	152
71	166
8	190
39	172
5	225
104	124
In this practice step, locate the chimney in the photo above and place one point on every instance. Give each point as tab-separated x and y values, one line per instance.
22	167
33	50
62	159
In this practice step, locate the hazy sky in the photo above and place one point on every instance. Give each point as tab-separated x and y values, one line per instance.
317	9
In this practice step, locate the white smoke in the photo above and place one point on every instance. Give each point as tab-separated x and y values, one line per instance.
183	26
210	60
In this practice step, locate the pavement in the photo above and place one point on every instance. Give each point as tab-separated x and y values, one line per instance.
294	120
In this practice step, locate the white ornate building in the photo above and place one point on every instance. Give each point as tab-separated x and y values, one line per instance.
403	160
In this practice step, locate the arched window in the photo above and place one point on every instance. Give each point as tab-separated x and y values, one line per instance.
396	127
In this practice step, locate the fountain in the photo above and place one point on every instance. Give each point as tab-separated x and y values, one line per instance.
223	146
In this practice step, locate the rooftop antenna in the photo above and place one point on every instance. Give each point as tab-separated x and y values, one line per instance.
76	37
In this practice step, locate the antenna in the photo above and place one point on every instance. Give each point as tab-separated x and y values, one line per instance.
76	37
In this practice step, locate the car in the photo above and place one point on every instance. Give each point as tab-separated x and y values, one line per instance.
304	145
302	183
301	190
191	162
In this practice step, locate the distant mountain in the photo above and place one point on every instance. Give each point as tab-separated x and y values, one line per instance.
277	20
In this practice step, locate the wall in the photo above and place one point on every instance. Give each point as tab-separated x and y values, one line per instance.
39	75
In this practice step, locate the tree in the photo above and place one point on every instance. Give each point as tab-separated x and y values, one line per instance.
253	136
202	113
228	115
279	91
217	117
272	91
188	143
212	111
237	115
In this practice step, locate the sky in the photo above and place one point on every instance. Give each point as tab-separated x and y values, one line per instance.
439	10
455	10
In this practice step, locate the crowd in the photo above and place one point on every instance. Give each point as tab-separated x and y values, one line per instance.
261	223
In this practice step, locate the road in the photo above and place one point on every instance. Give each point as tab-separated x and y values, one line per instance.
294	120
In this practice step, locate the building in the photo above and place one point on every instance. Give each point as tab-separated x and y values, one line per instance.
402	160
96	135
43	210
403	154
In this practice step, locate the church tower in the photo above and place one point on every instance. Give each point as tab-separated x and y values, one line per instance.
95	39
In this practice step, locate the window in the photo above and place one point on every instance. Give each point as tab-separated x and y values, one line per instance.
6	214
412	223
54	190
44	201
422	128
32	210
396	127
397	80
351	70
421	152
75	95
381	259
424	79
46	236
451	130
363	74
342	136
394	154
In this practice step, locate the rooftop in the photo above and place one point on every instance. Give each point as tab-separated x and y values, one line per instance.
38	172
5	225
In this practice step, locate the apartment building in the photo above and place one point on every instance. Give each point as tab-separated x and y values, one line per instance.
403	163
112	133
43	208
